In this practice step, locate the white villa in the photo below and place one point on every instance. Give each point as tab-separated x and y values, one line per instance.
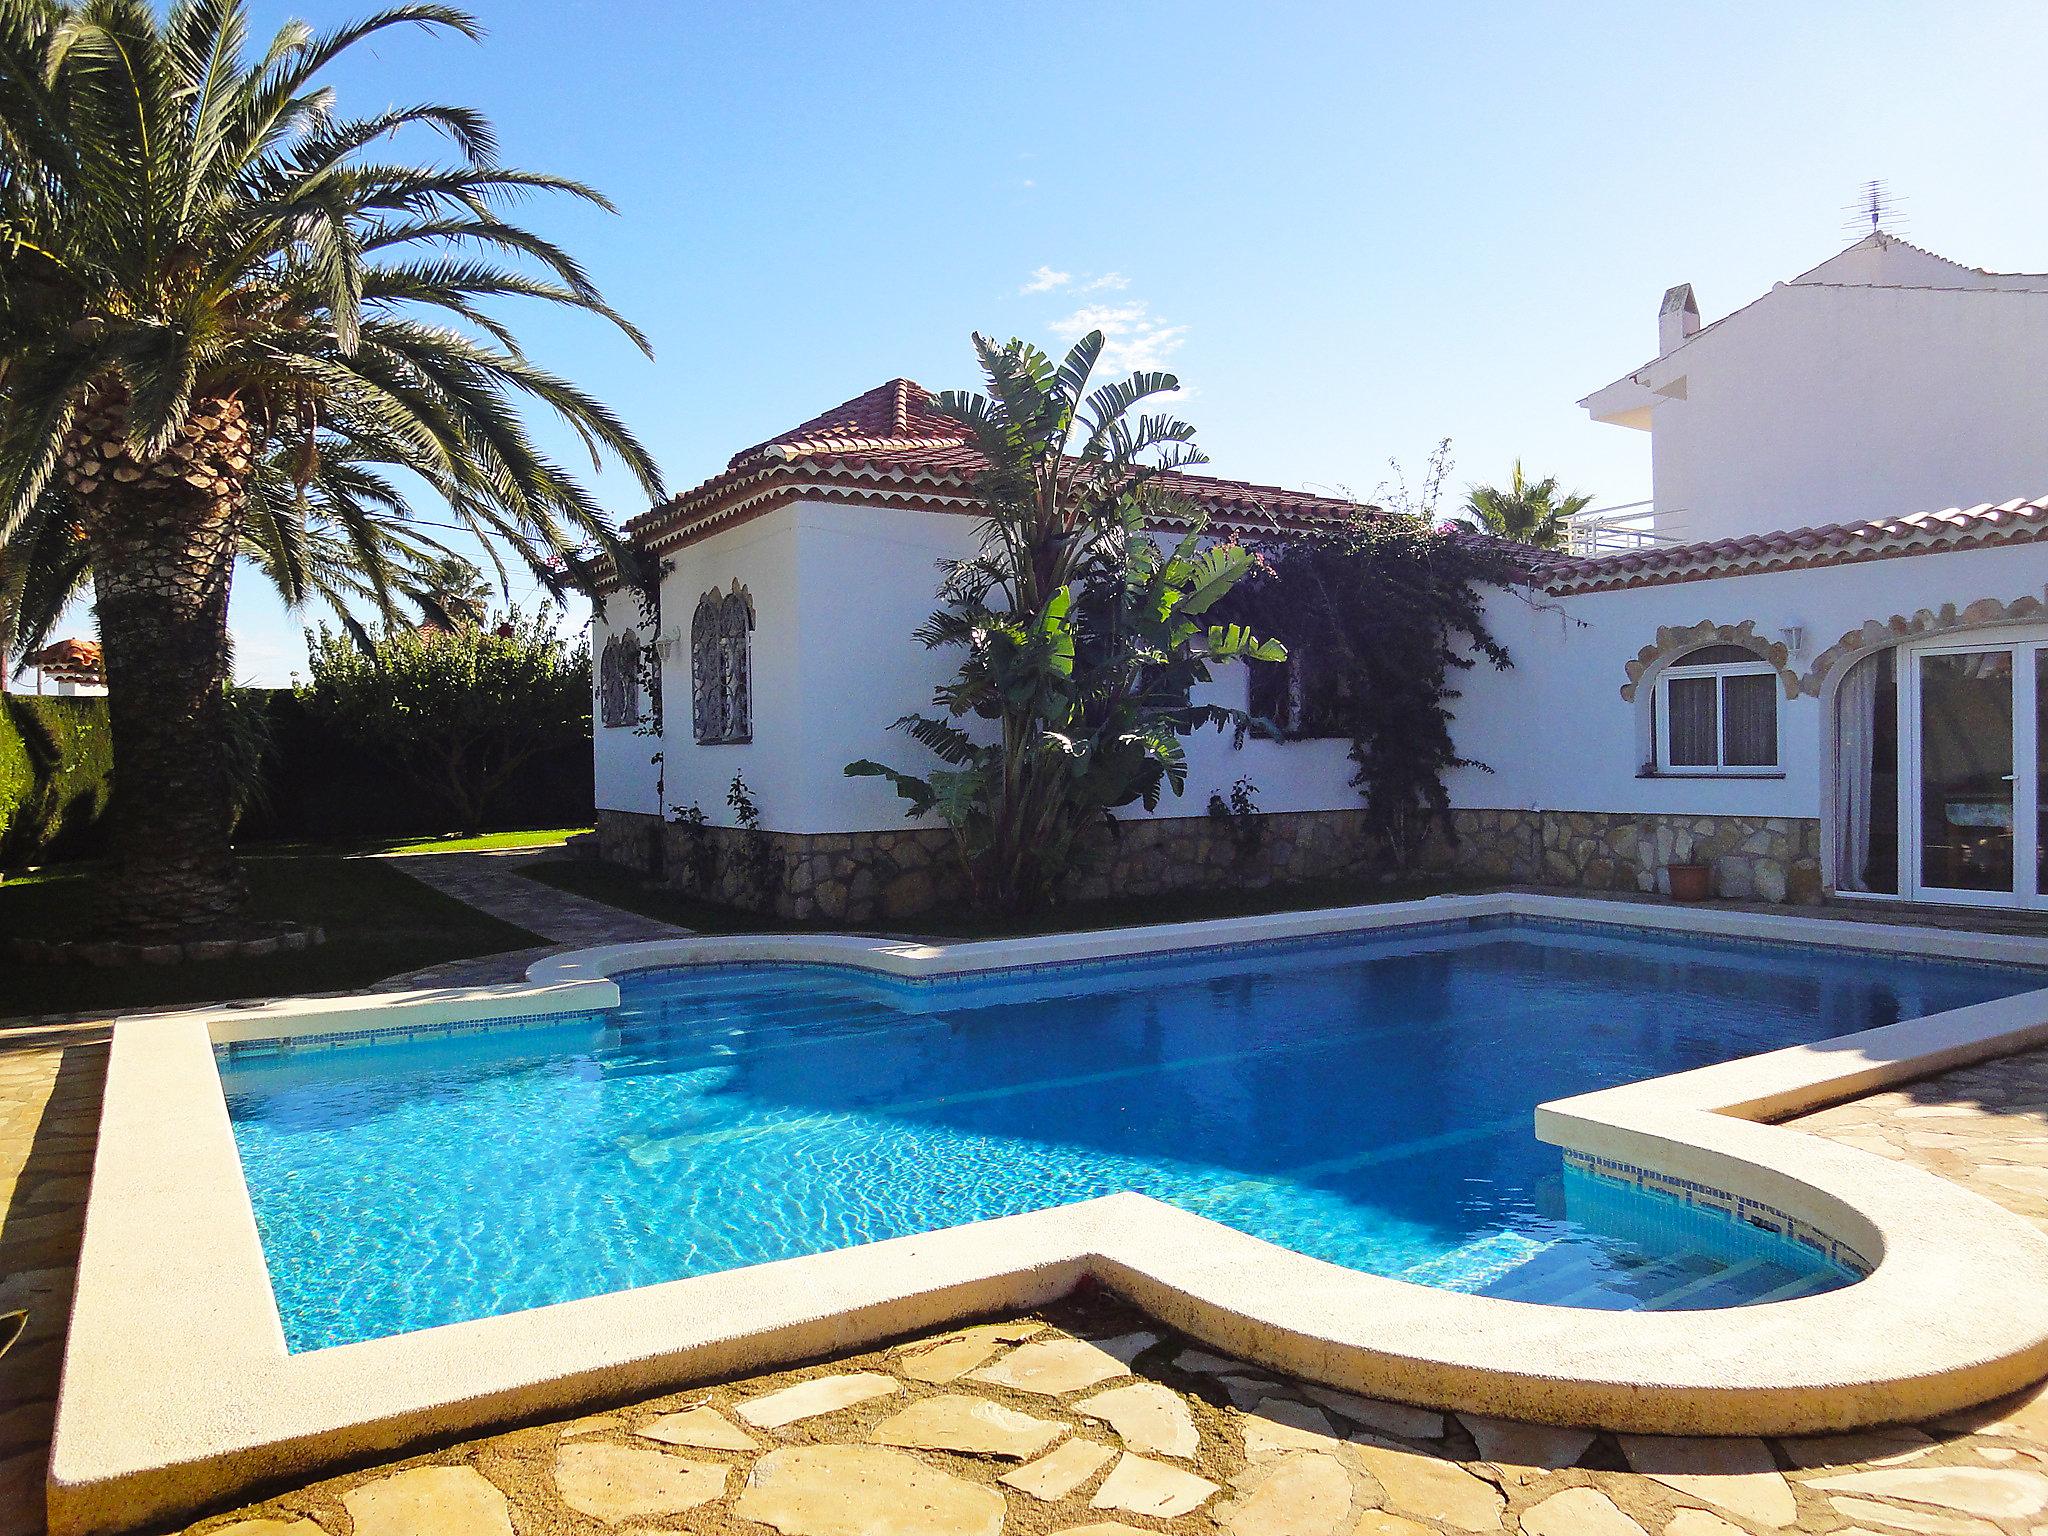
1803	673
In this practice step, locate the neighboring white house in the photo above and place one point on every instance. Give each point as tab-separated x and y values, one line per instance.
1832	690
1887	380
67	669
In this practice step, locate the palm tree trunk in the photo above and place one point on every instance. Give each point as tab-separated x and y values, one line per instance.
164	539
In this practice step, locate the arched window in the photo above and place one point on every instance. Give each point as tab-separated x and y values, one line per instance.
721	667
618	679
1717	713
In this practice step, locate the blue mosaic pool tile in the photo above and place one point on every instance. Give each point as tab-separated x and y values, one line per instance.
339	1039
1722	1203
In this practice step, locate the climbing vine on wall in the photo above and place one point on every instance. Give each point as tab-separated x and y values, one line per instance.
1382	612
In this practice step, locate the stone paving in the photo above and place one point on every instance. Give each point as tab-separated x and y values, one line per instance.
1089	1419
492	883
50	1086
1984	1126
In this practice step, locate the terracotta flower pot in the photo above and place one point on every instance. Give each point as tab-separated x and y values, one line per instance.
1691	882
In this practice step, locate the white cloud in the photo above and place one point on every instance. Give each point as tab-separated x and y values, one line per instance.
1114	282
1134	337
1045	279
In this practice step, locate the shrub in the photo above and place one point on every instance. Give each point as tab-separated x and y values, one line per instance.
462	714
56	769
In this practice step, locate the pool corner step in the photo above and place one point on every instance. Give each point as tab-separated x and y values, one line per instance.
1482	1262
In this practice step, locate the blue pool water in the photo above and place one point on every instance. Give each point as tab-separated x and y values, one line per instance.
1366	1100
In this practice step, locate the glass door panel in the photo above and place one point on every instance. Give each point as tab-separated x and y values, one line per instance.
1967	801
2040	773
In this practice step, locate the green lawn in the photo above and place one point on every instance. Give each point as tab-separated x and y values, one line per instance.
447	842
379	922
623	888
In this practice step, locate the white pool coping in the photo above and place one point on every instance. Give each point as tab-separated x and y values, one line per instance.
178	1392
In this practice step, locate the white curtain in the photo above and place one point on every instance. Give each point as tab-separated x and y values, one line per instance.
1855	726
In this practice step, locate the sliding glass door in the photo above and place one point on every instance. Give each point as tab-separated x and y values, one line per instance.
1971	781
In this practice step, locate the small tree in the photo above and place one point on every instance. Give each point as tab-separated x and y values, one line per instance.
450	591
459	713
1083	636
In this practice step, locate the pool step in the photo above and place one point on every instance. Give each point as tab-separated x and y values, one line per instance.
1480	1263
1576	1275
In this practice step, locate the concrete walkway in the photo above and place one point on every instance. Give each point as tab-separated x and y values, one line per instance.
493	884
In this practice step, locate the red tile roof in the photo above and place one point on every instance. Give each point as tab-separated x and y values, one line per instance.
1919	533
898	412
890	446
71	661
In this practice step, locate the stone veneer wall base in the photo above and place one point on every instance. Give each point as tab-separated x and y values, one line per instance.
878	877
1753	858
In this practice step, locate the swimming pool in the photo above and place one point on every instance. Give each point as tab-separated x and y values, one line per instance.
1365	1100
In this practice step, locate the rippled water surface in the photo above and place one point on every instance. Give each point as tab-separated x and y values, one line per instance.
1366	1101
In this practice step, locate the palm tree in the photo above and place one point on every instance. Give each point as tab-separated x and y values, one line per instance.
223	319
344	539
1527	512
450	592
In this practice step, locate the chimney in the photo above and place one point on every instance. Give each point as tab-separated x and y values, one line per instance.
1677	318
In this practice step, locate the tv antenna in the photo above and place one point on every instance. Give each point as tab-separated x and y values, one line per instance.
1875	208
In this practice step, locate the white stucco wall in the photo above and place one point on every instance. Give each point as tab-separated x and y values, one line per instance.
837	593
1559	736
869	577
620	756
1836	404
762	556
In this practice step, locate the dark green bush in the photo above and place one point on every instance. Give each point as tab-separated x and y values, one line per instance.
56	765
320	784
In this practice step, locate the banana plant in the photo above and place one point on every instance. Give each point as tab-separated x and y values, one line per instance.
1083	636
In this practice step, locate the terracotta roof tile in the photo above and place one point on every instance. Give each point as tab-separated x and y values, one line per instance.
898	412
892	443
1952	528
78	661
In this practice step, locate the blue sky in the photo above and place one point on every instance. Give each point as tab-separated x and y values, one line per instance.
1351	229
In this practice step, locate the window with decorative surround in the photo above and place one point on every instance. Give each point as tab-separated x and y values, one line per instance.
618	680
721	667
1717	713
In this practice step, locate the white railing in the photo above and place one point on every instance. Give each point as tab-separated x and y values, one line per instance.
1613	530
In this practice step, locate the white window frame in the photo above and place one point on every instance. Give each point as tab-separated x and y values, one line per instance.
1719	768
2026	646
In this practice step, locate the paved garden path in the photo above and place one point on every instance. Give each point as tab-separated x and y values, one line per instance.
492	883
51	1080
1090	1418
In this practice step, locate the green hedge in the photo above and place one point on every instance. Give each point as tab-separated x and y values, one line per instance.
56	764
324	787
